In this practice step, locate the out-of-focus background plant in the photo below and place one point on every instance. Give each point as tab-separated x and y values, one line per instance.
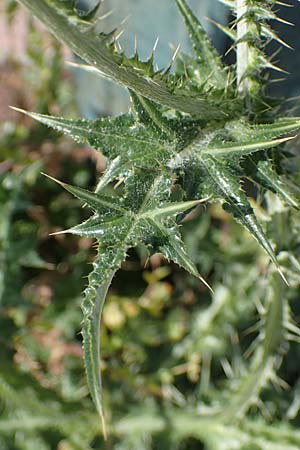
166	342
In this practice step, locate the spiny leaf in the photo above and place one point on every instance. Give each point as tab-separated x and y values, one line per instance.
100	279
95	227
241	130
95	201
210	150
119	225
241	148
210	61
140	211
271	180
225	185
238	139
92	47
172	209
115	137
112	135
148	114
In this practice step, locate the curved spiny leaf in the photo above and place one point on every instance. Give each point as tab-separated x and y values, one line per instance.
104	268
92	47
238	139
240	149
240	130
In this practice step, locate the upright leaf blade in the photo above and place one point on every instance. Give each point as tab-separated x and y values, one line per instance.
149	114
208	56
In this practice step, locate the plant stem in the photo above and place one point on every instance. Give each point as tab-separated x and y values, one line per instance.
242	53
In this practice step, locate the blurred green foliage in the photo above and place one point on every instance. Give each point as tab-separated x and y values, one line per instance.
169	349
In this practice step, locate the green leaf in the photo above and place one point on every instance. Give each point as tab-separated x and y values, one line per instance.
99	279
271	180
115	137
244	139
149	114
93	47
171	209
225	185
144	215
241	130
210	61
126	140
93	200
237	139
123	137
242	148
106	231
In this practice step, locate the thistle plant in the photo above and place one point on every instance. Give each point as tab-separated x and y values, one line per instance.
194	133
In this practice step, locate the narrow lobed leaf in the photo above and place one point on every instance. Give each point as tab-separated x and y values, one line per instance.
238	139
171	209
204	50
100	278
225	185
114	137
271	180
93	200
